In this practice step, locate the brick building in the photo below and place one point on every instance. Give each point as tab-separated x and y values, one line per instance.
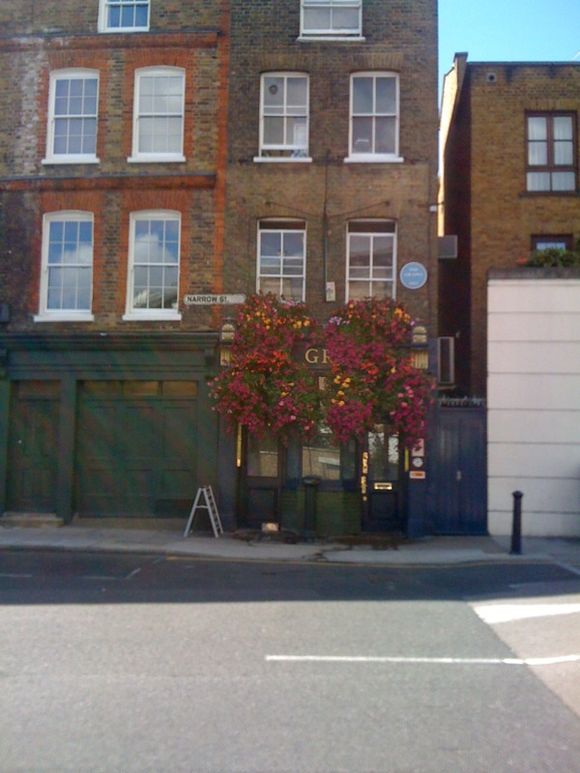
121	121
332	160
509	186
112	174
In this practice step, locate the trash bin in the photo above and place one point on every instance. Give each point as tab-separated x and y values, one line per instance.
311	483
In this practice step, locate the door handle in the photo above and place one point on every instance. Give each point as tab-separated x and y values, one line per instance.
458	476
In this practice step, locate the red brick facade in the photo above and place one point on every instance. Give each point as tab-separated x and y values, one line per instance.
192	37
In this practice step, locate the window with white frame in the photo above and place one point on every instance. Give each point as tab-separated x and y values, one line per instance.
371	259
282	258
284	116
72	117
158	114
123	15
66	285
374	116
322	18
154	250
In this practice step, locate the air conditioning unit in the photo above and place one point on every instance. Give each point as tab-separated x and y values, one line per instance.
447	247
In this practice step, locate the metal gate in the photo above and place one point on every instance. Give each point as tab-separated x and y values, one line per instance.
457	489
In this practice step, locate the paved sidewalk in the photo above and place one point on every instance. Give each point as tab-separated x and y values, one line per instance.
168	540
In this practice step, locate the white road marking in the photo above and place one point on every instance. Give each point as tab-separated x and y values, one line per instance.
551	661
505	613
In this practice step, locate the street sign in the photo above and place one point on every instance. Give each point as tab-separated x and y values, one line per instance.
209	299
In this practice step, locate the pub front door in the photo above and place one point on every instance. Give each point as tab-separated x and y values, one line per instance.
381	464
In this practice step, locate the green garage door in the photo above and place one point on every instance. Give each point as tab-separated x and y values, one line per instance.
136	448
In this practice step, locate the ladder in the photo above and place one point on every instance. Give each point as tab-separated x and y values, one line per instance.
205	500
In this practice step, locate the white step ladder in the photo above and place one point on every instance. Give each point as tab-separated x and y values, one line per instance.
205	500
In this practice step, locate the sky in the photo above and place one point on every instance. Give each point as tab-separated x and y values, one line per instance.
508	30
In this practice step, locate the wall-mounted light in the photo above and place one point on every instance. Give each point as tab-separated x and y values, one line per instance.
227	334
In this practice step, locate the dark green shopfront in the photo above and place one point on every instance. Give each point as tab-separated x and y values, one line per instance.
122	426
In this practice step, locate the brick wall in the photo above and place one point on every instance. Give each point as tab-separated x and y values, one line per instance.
400	37
183	35
503	216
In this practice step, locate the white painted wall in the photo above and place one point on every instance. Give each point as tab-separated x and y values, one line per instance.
534	404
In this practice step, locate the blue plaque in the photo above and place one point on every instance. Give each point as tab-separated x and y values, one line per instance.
413	275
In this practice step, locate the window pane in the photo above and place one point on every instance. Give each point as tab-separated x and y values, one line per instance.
382	289
292	289
114	17
386	101
269	285
385	135
141	16
563	153
362	95
345	19
362	133
360	248
383	251
537	128
316	19
273	131
550	245
563	127
127	17
538	181
294	244
321	457
262	457
296	132
273	91
563	181
296	92
358	290
270	266
293	266
537	153
271	243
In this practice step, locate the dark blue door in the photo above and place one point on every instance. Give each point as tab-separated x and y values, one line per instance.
457	493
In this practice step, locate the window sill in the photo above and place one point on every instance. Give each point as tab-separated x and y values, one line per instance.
369	158
282	160
535	194
333	38
71	160
156	159
64	316
122	30
152	316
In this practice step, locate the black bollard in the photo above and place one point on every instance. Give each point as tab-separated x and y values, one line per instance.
516	548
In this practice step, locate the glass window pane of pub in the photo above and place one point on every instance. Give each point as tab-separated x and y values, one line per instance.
262	457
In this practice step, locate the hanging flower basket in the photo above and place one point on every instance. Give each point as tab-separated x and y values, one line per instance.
265	389
373	378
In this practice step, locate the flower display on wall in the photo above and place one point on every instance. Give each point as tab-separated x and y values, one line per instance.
373	380
373	376
266	389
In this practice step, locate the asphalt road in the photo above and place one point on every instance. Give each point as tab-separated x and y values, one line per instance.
138	663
